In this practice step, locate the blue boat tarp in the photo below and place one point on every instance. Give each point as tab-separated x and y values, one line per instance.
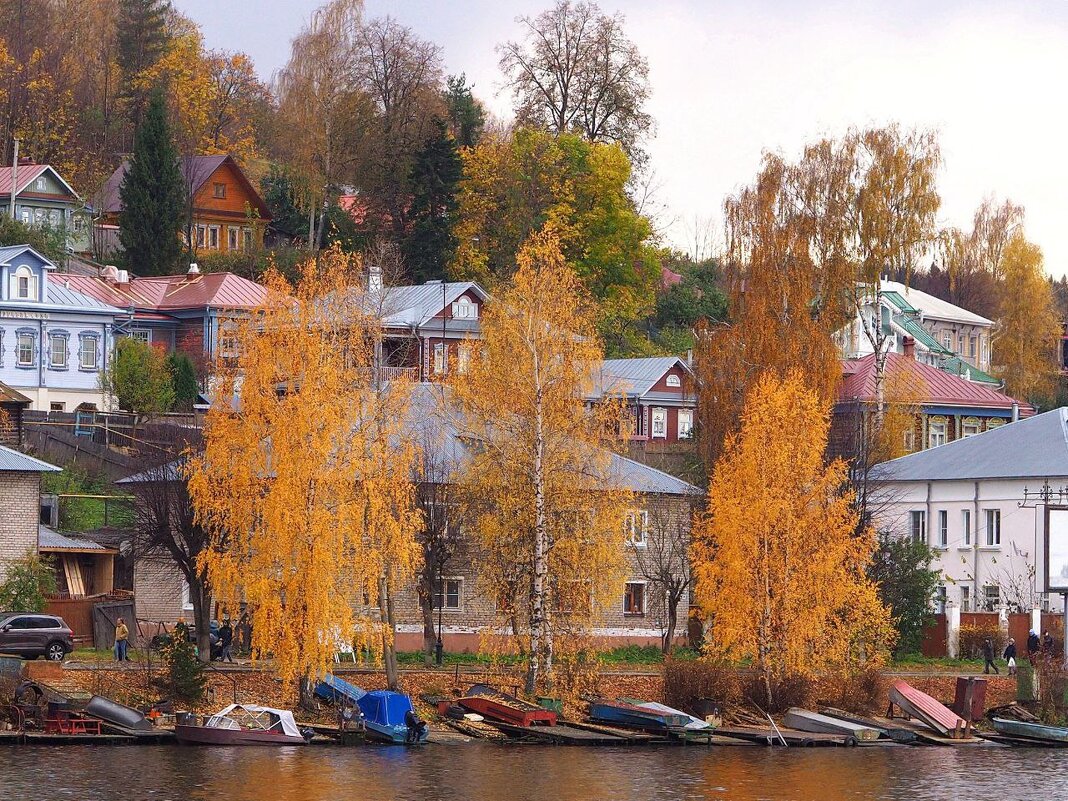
330	688
385	707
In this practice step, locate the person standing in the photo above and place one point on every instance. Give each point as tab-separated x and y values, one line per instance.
1047	644
1010	656
988	656
226	641
1033	646
122	635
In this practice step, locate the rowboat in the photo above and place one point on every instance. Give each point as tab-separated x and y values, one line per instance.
495	705
243	724
1037	732
625	713
803	720
927	710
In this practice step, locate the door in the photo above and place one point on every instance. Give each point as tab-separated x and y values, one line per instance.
16	636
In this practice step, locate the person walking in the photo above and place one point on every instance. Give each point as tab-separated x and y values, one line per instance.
1010	656
1033	646
122	635
226	640
988	656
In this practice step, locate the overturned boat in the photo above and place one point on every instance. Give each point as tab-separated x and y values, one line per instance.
243	724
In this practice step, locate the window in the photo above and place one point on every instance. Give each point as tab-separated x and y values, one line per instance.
57	351
908	440
918	526
55	218
27	216
464	309
227	339
965	598
940	599
439	358
995	423
41	184
40	217
973	348
24	346
142	335
685	423
55	406
213	237
24	284
218	190
202	233
947	341
187	603
993	527
969	427
943	528
634	598
247	236
659	423
635	525
936	432
673	381
449	594
87	352
966	525
991	597
463	359
233	238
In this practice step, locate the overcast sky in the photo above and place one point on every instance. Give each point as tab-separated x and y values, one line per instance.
733	79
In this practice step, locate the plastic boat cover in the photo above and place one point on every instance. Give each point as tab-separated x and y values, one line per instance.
264	716
385	707
691	723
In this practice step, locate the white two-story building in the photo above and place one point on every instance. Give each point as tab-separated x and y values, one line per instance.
54	341
980	503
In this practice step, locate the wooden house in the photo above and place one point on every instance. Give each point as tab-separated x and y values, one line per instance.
43	199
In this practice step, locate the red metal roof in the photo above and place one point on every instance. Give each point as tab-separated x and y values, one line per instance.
26	173
170	292
941	388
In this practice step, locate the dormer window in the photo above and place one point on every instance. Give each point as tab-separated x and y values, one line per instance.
464	309
24	284
674	381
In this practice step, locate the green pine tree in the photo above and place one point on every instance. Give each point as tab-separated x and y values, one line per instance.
141	39
153	197
184	381
435	177
466	116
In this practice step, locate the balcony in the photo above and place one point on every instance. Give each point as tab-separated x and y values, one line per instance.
399	373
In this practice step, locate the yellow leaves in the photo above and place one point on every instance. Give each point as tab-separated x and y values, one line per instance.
778	562
306	486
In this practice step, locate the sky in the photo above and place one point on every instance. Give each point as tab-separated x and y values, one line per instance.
732	80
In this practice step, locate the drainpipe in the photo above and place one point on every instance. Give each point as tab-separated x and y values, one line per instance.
930	517
975	547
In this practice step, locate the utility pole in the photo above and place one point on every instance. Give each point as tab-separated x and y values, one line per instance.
14	176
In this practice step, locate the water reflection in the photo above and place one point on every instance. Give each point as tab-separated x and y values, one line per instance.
484	772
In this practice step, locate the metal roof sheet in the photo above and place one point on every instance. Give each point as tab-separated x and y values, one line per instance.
12	461
930	306
50	540
633	377
955	365
26	173
1035	447
915	330
9	395
418	303
900	302
170	292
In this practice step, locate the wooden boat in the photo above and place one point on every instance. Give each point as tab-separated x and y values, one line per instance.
1036	732
495	705
927	710
390	718
803	720
886	728
625	713
243	724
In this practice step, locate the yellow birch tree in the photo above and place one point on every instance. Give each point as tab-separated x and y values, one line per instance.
546	506
305	482
1028	330
778	560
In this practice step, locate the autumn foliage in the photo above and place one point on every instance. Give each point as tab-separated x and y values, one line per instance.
305	482
779	565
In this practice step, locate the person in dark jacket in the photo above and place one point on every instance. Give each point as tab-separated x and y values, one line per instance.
1010	656
1047	644
988	656
226	640
1033	646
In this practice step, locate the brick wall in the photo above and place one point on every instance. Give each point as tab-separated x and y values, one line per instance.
158	586
20	502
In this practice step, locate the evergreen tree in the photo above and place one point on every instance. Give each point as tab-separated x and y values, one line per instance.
435	177
153	196
466	115
183	381
276	189
902	570
141	37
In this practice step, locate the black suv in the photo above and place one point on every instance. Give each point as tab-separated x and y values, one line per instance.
30	635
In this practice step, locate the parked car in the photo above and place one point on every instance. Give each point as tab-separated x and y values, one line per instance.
31	635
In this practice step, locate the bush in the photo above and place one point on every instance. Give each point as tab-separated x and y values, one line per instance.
860	691
28	581
694	685
183	678
972	636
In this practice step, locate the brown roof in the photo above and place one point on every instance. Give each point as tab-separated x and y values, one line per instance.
9	395
26	174
942	388
170	292
197	170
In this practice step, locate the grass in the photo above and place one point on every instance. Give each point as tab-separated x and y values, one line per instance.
920	662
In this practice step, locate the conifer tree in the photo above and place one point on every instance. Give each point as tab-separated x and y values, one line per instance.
153	196
183	381
435	177
141	37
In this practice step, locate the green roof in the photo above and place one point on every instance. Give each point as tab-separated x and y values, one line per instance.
898	300
957	366
921	335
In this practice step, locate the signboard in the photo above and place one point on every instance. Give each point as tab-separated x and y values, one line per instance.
1056	570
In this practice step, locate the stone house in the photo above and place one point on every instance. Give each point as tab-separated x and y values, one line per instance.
20	500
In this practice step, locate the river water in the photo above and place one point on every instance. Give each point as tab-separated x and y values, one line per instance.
488	772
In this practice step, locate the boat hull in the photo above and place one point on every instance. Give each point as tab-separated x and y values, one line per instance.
804	720
927	710
204	735
1032	731
636	716
397	735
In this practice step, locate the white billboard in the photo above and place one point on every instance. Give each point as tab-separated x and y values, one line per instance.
1056	549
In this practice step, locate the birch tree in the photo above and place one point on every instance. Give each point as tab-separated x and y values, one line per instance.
546	508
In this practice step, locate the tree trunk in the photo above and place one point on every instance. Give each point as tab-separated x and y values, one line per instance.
201	600
306	692
668	643
426	608
389	651
540	643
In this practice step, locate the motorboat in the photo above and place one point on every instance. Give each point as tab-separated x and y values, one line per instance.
243	724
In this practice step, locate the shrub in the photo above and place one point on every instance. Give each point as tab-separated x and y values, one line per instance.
28	581
972	636
860	691
183	679
694	685
786	691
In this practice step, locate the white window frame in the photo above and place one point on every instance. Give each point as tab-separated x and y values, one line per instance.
202	235
41	185
464	309
973	347
645	598
246	239
947	340
908	440
673	381
965	598
940	598
991	600
918	525
26	215
23	274
441	594
943	528
20	340
85	340
970	429
939	437
214	237
142	335
685	423
463	358
966	525
439	358
53	339
658	411
992	519
187	602
233	238
636	528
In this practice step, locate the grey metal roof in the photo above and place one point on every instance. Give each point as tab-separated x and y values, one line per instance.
930	306
633	377
50	540
1035	447
10	252
415	305
11	461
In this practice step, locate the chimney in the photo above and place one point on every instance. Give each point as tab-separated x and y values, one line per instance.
908	346
110	273
194	269
374	278
1015	411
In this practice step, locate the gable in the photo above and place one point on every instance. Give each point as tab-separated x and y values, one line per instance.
227	190
49	184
